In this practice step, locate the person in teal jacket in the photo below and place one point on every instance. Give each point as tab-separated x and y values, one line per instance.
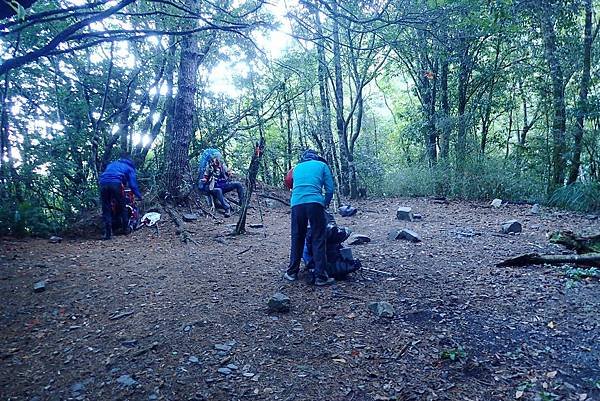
311	177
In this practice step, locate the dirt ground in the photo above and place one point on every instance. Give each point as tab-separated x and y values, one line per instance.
146	317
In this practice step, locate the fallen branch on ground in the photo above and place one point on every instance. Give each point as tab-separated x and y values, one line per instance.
590	259
275	198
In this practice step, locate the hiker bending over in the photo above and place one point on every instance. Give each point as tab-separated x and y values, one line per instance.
310	177
117	174
216	181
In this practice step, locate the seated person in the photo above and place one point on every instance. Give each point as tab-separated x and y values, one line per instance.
216	181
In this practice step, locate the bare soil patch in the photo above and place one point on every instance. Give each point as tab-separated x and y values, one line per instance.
146	317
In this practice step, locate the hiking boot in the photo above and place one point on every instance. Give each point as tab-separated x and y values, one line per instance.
320	282
290	276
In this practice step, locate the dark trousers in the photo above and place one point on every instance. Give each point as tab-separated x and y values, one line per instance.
313	213
108	193
219	192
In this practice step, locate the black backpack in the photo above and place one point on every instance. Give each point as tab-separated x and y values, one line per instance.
341	264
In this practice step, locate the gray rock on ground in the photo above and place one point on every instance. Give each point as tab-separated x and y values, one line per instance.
405	234
404	213
225	371
496	203
279	303
189	217
358	239
511	227
55	240
535	209
40	286
126	380
382	309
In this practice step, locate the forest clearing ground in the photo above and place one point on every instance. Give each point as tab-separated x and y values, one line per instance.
147	317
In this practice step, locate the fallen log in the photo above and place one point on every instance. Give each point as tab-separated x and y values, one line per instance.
590	259
578	243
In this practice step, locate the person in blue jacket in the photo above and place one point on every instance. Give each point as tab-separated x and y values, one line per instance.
311	177
117	174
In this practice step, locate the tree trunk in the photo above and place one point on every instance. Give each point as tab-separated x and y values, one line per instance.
183	113
325	119
464	73
558	96
583	93
339	106
446	127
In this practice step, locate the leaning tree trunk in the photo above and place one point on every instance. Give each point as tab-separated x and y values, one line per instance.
583	93
240	227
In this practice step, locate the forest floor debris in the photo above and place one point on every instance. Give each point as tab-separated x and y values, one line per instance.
461	328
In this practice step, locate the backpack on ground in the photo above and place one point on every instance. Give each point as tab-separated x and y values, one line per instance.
340	262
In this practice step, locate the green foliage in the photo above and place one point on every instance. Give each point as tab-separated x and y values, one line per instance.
577	273
454	354
582	197
482	180
26	219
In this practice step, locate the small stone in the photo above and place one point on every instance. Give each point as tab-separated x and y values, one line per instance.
404	213
77	387
232	366
129	343
347	211
535	209
592	217
248	374
193	359
55	240
126	380
153	397
417	216
222	347
225	371
40	286
511	226
279	303
189	217
382	309
187	328
358	239
496	203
